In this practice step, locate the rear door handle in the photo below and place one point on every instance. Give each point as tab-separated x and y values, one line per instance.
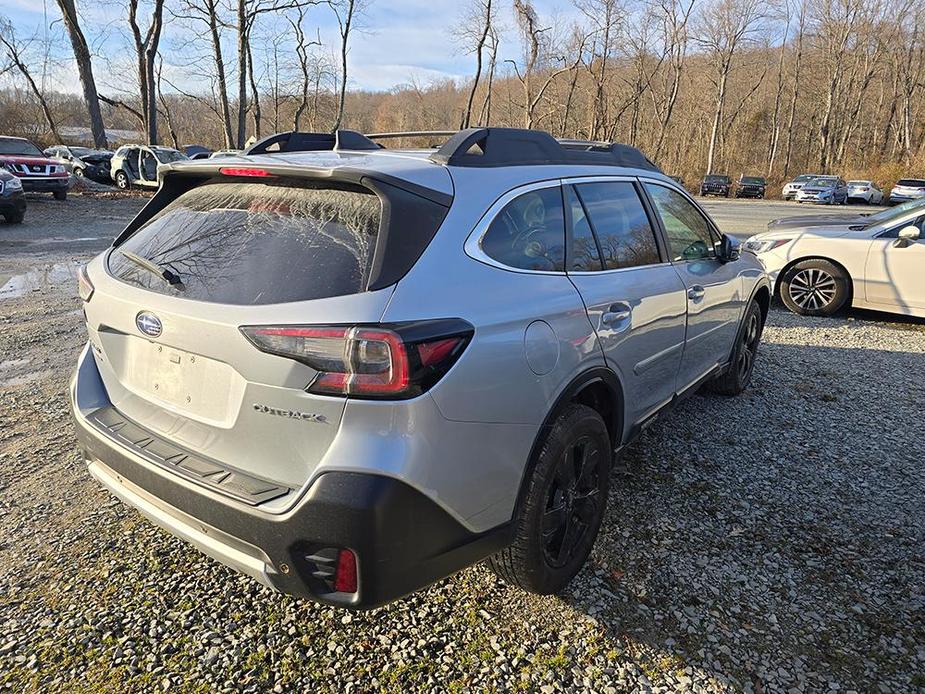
696	293
617	312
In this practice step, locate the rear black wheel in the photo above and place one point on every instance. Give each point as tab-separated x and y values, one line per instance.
60	195
563	507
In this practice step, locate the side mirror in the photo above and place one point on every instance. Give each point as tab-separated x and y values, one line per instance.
729	249
907	235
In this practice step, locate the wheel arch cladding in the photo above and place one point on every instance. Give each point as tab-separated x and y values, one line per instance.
763	297
598	388
789	266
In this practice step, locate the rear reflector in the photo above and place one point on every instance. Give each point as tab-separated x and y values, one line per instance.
84	285
345	578
232	171
384	362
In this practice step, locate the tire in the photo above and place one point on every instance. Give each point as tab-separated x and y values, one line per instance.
567	491
60	195
79	172
742	364
15	217
121	180
815	288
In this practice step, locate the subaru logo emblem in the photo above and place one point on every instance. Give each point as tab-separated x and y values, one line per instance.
149	324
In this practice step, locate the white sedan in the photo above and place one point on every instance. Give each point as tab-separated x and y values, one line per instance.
868	191
876	265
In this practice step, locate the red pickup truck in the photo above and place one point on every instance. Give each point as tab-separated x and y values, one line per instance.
38	173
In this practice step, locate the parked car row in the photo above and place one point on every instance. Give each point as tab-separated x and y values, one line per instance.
831	190
745	187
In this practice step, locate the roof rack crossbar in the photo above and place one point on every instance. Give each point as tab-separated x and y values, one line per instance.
295	141
486	147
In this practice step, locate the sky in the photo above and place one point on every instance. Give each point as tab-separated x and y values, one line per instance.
402	40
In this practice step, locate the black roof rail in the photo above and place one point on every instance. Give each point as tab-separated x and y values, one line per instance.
485	147
295	141
411	133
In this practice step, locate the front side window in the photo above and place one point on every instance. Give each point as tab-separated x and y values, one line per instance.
529	232
620	223
688	232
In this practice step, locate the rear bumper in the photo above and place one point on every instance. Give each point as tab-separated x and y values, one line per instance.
44	185
402	539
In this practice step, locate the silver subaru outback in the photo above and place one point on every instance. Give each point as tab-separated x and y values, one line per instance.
350	371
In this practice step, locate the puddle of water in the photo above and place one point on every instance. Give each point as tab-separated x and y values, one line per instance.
25	378
40	277
13	363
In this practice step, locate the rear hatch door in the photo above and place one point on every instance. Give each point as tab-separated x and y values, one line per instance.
171	354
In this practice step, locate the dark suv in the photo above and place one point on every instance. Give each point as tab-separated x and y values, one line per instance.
715	184
750	187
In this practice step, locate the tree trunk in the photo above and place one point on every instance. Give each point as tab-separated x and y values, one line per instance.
717	117
243	31
85	71
467	116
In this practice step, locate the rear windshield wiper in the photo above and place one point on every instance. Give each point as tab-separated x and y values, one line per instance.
165	274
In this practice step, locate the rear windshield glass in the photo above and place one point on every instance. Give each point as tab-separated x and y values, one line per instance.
716	179
255	243
753	180
912	182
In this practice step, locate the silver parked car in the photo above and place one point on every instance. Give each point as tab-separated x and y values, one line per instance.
349	373
791	189
827	190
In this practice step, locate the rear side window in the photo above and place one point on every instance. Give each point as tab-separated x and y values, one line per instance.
256	243
529	232
620	223
583	255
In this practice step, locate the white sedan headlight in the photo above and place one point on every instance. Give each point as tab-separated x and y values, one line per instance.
758	246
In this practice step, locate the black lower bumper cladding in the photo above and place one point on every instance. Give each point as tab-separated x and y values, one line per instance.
402	539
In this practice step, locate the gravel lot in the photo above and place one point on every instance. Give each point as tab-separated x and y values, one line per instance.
768	543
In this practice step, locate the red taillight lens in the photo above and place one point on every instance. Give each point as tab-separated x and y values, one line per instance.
345	578
399	361
240	171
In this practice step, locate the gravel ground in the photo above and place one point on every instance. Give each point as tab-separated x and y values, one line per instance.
772	542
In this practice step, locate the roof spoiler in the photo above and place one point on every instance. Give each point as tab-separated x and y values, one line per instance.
295	141
486	147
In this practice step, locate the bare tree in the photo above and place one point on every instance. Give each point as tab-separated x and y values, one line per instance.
85	71
795	79
346	12
146	45
606	18
672	17
725	28
15	51
475	24
208	12
539	60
